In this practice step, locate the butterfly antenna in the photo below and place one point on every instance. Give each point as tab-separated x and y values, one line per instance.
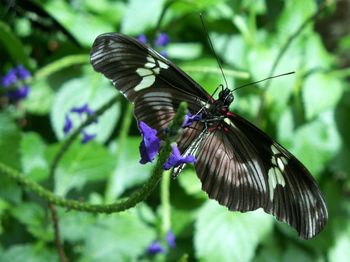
212	48
270	77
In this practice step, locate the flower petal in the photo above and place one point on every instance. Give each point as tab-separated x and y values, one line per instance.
176	159
87	137
150	143
68	125
162	40
155	248
170	238
190	119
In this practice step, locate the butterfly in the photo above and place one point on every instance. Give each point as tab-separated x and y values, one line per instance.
238	164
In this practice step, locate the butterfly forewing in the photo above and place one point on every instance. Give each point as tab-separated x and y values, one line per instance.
238	164
133	67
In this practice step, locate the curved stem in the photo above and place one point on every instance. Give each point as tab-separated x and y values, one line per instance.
121	205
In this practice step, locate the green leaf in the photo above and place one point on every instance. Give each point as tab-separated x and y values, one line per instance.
321	92
75	93
33	160
184	51
35	219
81	164
147	16
222	235
117	237
340	252
40	98
75	21
10	139
13	46
128	172
294	14
316	143
191	183
28	252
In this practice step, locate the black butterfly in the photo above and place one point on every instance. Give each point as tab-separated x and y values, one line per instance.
237	163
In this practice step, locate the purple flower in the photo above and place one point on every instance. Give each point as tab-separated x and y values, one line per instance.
22	72
83	109
87	137
68	125
150	143
164	53
170	238
19	93
155	248
176	159
10	78
162	40
142	38
189	119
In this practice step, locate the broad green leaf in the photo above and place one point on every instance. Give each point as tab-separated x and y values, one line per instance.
13	45
10	139
117	237
81	164
34	218
40	98
294	14
128	172
321	92
340	252
139	17
82	25
222	235
34	164
95	91
191	183
343	118
29	253
316	143
184	51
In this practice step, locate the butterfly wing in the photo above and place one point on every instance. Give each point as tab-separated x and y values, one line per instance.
133	67
243	169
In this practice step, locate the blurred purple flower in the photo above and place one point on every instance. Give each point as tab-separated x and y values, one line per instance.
87	137
176	159
155	248
22	72
150	143
83	109
142	38
19	93
170	239
68	125
162	40
189	119
10	78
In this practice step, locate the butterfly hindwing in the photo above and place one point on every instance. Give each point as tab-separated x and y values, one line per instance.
243	169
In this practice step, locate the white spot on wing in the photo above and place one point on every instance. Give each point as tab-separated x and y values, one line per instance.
146	82
163	65
143	72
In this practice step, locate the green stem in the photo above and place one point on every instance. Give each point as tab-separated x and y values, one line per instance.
121	205
165	201
59	64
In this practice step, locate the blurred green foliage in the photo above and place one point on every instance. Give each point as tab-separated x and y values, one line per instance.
307	112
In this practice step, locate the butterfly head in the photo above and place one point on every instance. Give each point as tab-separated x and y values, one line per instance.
226	96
